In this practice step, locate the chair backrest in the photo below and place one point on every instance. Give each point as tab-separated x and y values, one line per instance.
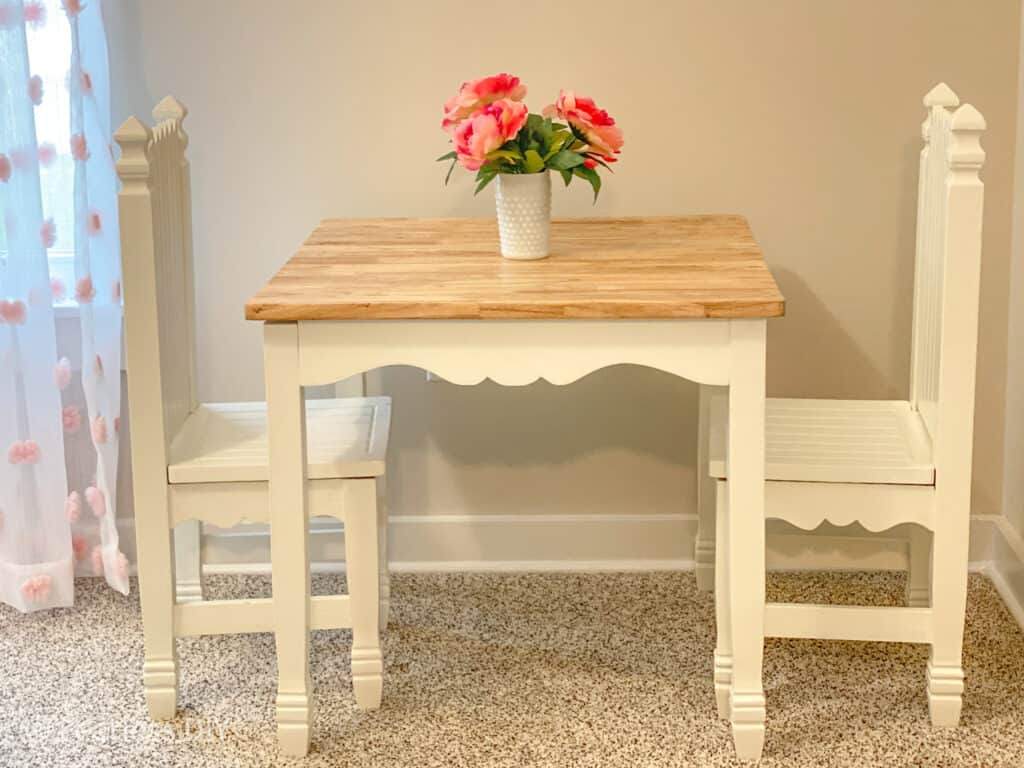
947	275
156	243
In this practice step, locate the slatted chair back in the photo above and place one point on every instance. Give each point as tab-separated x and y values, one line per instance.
947	275
156	240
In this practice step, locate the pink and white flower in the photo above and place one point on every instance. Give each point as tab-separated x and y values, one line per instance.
57	289
479	93
36	588
48	233
47	154
62	373
603	137
23	452
486	130
85	291
35	13
71	418
79	147
73	507
13	311
96	500
79	545
35	89
99	430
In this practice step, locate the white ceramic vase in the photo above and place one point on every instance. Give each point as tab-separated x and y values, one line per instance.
524	214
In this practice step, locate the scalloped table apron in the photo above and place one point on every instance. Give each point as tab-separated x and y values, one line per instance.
688	295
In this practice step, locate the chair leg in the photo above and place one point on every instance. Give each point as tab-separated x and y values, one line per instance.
723	642
362	553
919	573
949	604
156	592
385	572
289	536
704	544
188	561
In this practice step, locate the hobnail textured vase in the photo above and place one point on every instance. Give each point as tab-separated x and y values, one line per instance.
524	214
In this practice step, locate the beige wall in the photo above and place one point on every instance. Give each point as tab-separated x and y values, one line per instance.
1013	491
801	114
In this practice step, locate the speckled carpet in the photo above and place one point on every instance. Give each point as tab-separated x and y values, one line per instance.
509	670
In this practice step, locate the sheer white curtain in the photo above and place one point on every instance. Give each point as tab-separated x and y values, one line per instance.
60	247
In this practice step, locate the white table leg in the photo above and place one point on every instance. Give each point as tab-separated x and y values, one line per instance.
156	592
919	577
362	552
704	545
949	604
385	571
289	556
746	534
723	634
188	561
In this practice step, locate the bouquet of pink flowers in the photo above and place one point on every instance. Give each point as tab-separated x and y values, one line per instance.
493	132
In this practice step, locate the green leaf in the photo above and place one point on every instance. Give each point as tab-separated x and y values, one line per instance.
534	123
564	160
600	161
447	156
505	154
485	176
448	175
566	177
589	174
558	141
534	162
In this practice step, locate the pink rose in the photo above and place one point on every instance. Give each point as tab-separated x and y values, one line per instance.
73	507
79	147
479	93
99	430
35	89
36	588
47	154
96	500
12	312
603	136
25	452
5	168
48	233
71	418
35	13
57	289
84	290
62	374
78	546
93	222
486	130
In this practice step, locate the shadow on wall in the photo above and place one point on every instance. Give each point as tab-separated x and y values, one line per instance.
810	334
622	408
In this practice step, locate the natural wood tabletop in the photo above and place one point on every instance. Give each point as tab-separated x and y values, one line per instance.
637	267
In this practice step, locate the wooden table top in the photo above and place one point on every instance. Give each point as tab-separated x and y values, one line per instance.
638	267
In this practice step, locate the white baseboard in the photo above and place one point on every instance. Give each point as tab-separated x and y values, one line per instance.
601	543
596	542
1006	566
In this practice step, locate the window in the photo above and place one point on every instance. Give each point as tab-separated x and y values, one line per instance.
49	52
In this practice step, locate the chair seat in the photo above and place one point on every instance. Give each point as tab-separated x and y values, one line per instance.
834	441
227	442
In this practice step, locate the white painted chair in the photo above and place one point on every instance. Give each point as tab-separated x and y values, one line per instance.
884	463
208	462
